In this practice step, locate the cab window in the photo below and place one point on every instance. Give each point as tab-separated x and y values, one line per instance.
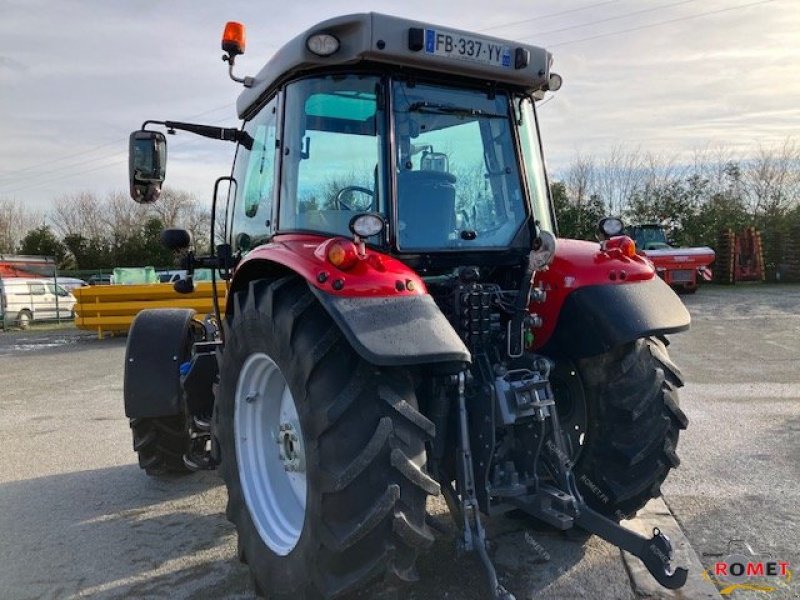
255	176
458	180
37	289
332	158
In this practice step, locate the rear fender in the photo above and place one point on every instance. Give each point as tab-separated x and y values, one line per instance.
381	305
597	301
375	276
157	346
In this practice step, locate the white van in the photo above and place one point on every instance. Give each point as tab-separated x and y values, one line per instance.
24	300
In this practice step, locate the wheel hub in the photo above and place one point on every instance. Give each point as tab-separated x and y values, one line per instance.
290	449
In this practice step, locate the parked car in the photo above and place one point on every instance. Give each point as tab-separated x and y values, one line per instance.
70	283
101	280
170	276
24	300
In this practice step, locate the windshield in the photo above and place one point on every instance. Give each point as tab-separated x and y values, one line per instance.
458	184
332	153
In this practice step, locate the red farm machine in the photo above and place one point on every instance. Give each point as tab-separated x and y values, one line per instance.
681	268
401	320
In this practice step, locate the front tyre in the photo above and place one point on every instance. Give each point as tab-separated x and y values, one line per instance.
160	443
323	454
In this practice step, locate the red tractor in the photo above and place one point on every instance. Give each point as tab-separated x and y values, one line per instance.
681	268
401	320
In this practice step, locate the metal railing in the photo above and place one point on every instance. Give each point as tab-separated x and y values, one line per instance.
110	309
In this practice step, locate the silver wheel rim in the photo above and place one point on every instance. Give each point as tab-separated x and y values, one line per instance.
270	453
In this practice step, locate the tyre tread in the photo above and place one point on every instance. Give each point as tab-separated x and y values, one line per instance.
160	443
635	428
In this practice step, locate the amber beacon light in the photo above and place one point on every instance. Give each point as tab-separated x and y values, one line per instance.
233	38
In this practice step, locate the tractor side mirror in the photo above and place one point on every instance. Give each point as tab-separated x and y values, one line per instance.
147	165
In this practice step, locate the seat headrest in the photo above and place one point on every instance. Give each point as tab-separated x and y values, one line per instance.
428	176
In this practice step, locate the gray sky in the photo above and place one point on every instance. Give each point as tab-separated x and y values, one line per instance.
668	76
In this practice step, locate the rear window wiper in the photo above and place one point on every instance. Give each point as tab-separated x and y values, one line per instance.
446	109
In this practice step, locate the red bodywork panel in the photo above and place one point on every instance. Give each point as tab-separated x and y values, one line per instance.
680	266
373	275
577	264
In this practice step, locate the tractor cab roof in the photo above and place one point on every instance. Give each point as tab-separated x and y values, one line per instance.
377	38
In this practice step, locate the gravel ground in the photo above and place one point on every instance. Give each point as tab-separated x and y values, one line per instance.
79	519
741	453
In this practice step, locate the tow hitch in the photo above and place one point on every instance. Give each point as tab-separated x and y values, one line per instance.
526	396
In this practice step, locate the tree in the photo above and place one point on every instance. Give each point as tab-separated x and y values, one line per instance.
89	253
576	220
13	221
142	247
42	242
80	214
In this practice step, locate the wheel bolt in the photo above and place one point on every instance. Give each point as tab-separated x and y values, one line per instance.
251	397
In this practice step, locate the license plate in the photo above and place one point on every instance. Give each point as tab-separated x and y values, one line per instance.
463	47
682	276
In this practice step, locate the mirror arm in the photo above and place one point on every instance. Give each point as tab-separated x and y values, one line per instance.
228	134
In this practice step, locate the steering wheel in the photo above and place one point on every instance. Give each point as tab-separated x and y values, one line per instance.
339	203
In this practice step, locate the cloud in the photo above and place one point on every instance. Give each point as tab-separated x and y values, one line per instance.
9	64
78	76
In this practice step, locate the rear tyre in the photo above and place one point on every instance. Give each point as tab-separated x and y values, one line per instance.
344	502
24	318
633	425
161	443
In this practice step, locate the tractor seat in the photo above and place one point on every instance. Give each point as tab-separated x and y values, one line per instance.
426	208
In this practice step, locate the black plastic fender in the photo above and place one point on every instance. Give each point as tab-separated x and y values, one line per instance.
399	331
157	345
598	318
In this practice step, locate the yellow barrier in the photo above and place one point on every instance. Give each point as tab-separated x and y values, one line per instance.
111	308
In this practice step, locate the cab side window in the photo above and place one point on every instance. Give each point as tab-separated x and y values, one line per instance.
255	177
37	289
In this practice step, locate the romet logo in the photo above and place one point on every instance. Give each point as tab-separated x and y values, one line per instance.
752	573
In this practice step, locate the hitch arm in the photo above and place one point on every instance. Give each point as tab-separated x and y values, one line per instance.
655	553
474	533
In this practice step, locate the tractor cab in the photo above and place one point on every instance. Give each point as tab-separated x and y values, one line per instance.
649	237
380	124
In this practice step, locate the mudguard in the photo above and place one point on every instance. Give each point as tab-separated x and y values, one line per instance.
597	318
399	331
157	346
381	305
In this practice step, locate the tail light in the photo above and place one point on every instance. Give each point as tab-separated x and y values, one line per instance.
342	254
623	243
